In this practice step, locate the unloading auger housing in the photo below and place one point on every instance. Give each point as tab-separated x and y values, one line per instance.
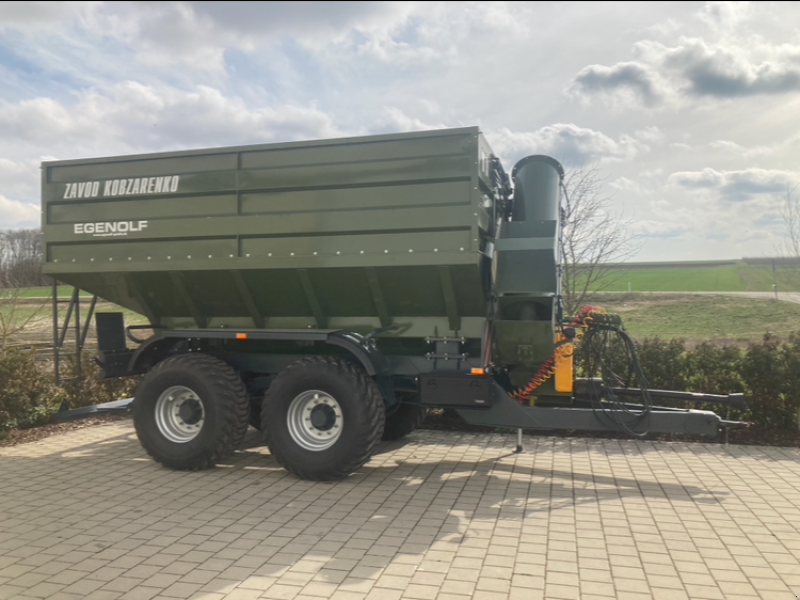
330	292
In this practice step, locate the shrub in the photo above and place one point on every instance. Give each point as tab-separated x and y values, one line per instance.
768	372
713	369
790	357
90	390
28	396
665	362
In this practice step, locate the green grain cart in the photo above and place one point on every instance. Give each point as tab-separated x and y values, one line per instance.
330	292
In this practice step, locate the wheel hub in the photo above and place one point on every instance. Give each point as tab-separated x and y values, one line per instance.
179	414
190	412
323	417
315	420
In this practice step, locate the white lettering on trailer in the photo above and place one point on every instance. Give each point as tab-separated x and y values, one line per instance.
122	187
82	189
109	228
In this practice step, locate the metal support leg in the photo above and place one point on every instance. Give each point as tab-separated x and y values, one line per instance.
56	338
79	375
727	416
519	441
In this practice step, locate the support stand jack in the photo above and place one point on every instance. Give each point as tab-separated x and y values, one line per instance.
519	442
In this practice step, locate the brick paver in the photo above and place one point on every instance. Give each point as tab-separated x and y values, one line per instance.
453	516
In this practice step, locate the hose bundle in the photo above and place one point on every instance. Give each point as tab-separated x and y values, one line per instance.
597	331
545	372
576	329
601	333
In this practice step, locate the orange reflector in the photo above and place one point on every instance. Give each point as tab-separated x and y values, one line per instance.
478	371
241	336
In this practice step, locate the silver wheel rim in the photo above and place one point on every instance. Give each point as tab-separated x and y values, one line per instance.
315	420
179	414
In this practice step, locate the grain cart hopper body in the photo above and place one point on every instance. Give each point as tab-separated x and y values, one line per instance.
327	292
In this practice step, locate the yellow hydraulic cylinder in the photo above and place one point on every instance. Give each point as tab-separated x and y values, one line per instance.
564	369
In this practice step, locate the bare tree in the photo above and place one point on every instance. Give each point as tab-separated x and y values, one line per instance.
594	237
17	311
20	258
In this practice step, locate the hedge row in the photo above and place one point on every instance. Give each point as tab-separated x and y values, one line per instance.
29	396
768	372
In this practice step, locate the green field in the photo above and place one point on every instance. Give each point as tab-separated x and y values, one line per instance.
29	322
43	311
697	318
64	291
699	277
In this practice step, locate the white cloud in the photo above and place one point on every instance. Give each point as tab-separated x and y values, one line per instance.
699	215
15	214
725	71
129	116
566	142
166	33
725	15
384	48
427	35
203	35
649	135
694	69
19	179
628	185
738	150
737	186
37	119
30	16
394	120
780	148
659	229
14	173
707	178
301	18
199	33
625	83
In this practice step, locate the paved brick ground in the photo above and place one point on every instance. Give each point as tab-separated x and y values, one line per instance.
451	516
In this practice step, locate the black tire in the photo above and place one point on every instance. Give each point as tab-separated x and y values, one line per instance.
224	406
404	419
362	417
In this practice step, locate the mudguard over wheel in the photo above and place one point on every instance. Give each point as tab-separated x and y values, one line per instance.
191	411
403	419
322	418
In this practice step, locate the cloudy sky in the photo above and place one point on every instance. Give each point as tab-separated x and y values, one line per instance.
689	110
